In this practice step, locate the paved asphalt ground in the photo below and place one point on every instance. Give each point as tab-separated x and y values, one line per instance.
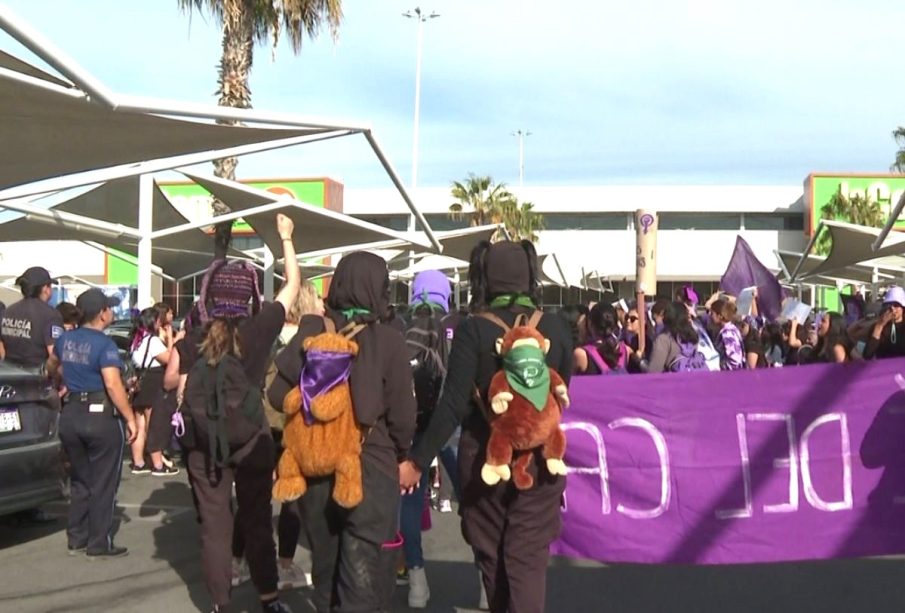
162	572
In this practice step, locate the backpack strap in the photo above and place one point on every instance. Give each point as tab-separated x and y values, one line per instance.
595	356
349	330
491	317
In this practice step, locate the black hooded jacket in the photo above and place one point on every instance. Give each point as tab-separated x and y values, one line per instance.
381	378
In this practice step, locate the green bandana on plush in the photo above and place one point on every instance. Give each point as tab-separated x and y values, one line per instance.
528	374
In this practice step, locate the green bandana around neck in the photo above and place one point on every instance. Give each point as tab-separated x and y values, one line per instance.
506	300
527	372
352	312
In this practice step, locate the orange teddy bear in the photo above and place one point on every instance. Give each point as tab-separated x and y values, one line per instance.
526	398
329	440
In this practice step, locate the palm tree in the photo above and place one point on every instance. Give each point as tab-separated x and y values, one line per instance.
482	202
244	24
479	200
858	209
899	135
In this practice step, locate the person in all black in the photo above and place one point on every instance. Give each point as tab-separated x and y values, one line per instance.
509	529
229	328
352	571
887	338
29	327
87	364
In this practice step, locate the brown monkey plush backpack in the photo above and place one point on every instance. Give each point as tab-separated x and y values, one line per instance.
322	436
526	402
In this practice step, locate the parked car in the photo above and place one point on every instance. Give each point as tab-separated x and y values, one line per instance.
31	456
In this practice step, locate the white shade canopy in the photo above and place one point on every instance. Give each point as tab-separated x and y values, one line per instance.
316	228
177	255
852	245
851	275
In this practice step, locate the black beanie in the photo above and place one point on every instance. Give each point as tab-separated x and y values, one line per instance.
508	271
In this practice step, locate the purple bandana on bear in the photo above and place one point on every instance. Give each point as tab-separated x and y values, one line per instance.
323	371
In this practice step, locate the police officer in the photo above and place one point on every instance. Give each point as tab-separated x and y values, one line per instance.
29	327
87	363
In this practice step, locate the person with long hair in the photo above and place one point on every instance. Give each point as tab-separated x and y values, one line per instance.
677	331
603	353
236	322
289	523
509	529
351	568
86	363
150	354
729	342
833	344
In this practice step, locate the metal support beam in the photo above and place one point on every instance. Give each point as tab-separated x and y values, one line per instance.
69	220
425	227
807	251
145	228
890	223
268	273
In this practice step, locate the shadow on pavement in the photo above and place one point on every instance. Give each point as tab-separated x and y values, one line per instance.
176	538
18	528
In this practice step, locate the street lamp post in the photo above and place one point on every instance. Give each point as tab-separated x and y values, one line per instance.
421	17
522	135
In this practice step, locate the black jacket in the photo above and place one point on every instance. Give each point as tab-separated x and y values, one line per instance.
473	361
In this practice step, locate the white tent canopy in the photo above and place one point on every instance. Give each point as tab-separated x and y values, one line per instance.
850	275
70	130
316	228
852	245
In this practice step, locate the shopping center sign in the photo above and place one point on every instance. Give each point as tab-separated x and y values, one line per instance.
882	188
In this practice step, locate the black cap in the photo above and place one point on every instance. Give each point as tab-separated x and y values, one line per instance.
93	301
35	277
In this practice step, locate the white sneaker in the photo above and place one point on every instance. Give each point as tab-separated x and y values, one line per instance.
291	577
419	591
445	506
241	574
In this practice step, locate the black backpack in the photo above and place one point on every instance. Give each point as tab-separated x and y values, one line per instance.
428	355
225	408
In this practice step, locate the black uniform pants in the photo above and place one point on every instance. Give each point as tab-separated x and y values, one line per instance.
351	570
213	487
510	530
93	440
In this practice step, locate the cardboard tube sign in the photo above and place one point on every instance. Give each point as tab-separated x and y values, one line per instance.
646	252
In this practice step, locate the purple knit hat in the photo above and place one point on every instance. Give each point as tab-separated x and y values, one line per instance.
227	289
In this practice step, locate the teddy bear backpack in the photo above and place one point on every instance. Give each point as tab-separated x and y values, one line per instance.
526	399
322	436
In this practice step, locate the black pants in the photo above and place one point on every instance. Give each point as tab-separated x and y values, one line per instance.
93	441
212	486
510	530
289	524
160	428
351	570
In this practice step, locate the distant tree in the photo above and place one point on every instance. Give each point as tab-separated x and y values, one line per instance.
244	24
483	202
858	209
899	136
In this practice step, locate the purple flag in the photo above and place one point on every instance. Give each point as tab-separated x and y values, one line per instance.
744	271
736	467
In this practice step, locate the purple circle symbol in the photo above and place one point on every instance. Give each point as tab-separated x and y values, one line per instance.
646	221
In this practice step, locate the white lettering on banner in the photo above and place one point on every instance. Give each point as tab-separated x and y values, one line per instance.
600	469
790	462
746	474
809	492
662	454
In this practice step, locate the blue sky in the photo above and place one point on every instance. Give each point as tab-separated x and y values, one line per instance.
648	92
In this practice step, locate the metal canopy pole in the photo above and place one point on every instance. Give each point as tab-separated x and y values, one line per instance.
145	229
268	273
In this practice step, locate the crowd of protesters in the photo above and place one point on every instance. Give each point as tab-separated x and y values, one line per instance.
682	335
107	406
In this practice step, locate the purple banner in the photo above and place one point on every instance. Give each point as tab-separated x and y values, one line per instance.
736	467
